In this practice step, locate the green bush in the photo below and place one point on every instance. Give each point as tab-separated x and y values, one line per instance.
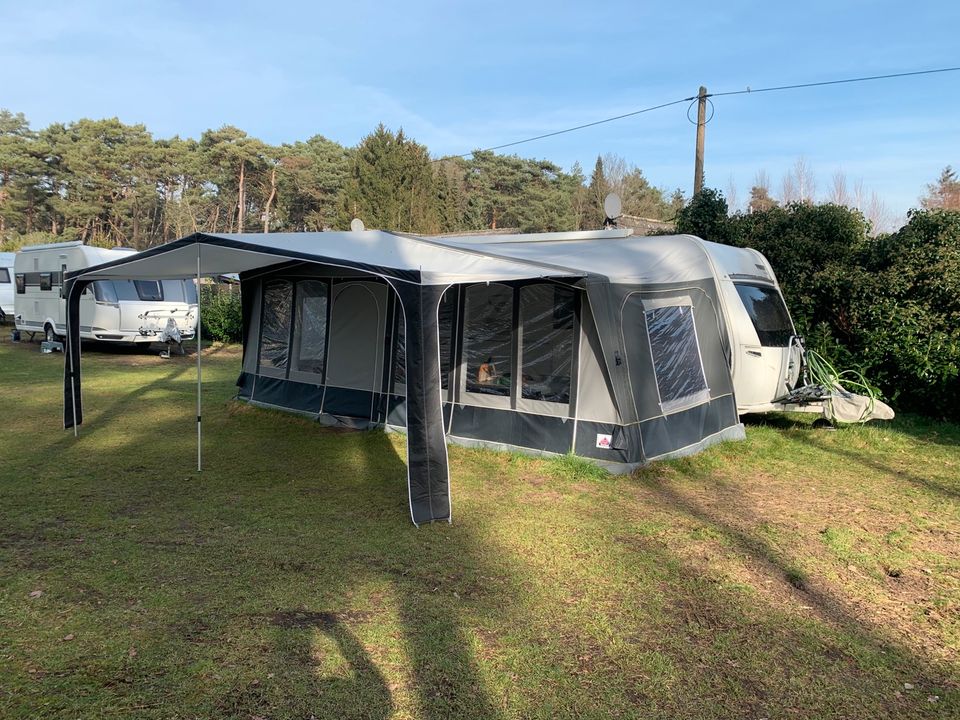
221	316
888	307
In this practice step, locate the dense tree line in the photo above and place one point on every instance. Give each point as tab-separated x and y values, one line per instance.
108	183
887	305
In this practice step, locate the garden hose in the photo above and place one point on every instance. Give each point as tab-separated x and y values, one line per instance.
824	374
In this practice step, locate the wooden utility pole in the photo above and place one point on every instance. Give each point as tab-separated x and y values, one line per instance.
701	125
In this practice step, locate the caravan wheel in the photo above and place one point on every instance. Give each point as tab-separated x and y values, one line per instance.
51	335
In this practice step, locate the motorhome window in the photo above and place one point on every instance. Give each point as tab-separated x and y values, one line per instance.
4	275
149	290
546	352
45	281
21	283
676	354
311	327
488	339
275	323
768	313
104	291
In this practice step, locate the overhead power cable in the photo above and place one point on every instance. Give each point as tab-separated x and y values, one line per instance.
747	91
571	129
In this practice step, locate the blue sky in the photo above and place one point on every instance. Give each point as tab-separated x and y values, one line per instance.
457	76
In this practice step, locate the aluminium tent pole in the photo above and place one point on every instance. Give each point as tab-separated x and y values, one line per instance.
199	375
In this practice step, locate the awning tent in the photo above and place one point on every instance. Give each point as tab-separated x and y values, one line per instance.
601	344
418	270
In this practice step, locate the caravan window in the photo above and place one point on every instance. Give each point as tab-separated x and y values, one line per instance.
275	323
546	350
181	291
488	339
21	283
676	353
310	328
148	290
46	282
4	276
105	291
768	313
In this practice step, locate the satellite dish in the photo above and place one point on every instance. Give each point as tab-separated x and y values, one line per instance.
612	206
357	225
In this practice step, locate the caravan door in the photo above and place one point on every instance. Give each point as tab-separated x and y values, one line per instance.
767	362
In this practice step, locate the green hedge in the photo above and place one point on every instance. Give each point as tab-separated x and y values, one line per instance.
221	314
887	306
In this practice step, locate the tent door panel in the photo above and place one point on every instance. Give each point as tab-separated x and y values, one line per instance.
357	328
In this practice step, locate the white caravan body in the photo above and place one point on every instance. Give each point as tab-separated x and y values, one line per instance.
6	285
124	311
765	354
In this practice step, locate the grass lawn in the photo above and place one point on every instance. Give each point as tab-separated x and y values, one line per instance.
801	573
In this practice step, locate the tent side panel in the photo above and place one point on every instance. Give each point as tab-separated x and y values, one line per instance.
605	300
250	308
609	442
668	434
72	396
427	468
595	400
536	432
296	396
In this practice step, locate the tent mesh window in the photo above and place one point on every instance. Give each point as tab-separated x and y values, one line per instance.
768	314
676	354
488	339
547	322
275	323
446	316
400	356
310	327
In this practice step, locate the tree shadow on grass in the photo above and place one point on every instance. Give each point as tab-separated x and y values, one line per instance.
306	686
846	641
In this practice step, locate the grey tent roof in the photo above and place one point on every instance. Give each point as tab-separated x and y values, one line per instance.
391	255
615	254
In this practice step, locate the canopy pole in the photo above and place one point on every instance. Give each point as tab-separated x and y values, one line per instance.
199	373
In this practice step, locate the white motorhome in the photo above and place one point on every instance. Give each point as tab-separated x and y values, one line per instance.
122	311
766	354
6	286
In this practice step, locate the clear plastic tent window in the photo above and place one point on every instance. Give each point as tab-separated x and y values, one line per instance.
400	356
446	315
488	339
310	327
676	354
547	322
768	314
275	326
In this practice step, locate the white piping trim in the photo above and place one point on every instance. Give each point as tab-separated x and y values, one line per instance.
440	386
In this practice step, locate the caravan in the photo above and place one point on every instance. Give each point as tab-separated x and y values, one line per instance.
6	286
124	311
